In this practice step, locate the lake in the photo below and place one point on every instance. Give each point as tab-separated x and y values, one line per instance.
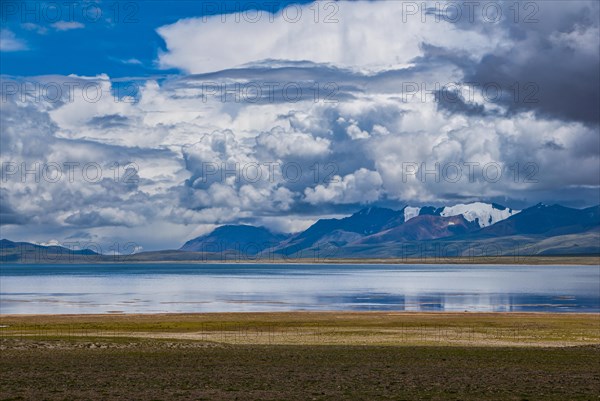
153	288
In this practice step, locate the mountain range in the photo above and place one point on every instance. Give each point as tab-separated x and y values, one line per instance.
475	229
462	230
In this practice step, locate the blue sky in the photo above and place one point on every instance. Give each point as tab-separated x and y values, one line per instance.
357	103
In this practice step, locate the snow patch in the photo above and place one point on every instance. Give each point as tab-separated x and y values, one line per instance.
410	212
485	213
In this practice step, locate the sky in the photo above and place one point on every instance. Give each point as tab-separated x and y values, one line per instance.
153	122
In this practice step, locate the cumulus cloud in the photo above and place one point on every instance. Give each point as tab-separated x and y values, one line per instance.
283	144
362	187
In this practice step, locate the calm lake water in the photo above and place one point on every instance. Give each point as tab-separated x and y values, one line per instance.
151	288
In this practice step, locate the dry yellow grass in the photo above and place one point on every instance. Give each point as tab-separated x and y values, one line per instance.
327	328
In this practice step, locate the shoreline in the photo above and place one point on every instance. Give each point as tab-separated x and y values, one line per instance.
558	260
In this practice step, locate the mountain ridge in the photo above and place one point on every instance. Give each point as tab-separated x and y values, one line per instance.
377	232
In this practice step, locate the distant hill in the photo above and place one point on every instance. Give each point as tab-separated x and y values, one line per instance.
26	252
242	238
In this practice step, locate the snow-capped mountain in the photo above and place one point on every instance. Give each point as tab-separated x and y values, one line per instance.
485	214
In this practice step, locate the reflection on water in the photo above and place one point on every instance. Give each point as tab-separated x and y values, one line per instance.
147	288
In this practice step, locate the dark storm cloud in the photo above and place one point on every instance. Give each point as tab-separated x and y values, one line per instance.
555	62
549	64
568	90
8	215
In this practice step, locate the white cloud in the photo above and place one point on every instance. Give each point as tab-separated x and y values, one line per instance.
67	25
132	61
39	29
362	186
10	43
284	143
384	40
355	132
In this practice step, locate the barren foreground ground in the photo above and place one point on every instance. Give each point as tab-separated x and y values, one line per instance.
299	356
